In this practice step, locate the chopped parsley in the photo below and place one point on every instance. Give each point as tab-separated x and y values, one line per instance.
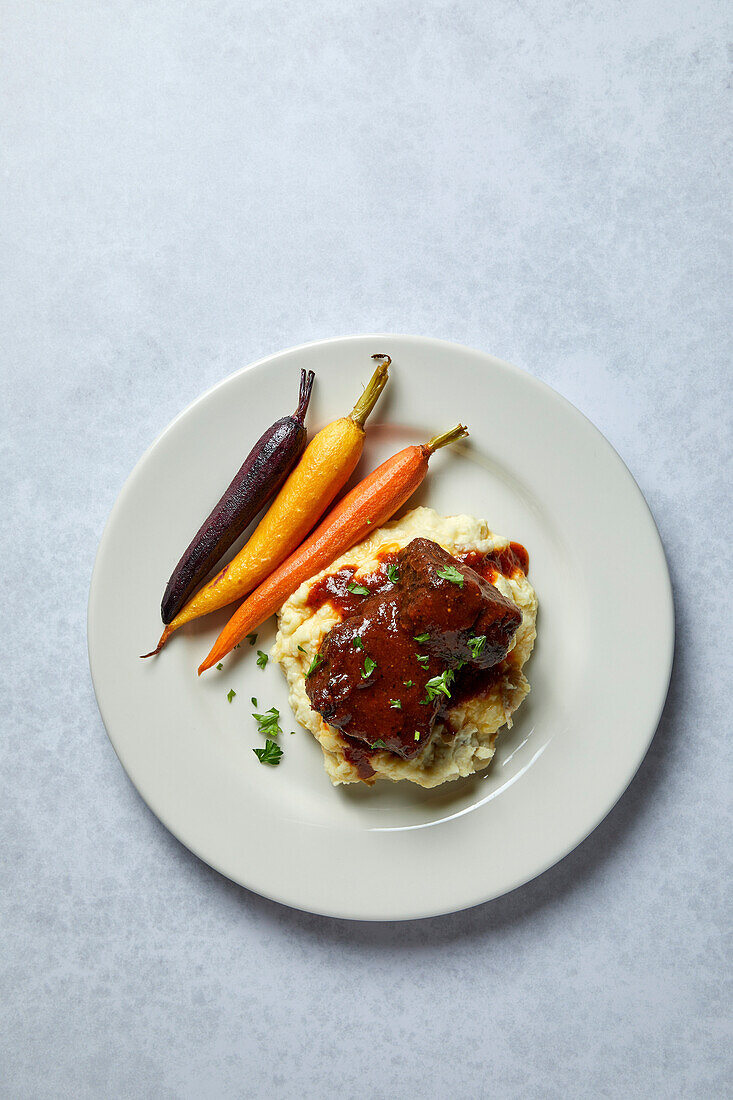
251	638
301	649
408	683
422	637
393	574
230	694
438	685
357	642
219	667
268	724
395	704
378	744
262	658
237	645
317	660
358	589
417	735
477	644
423	659
369	666
254	702
450	573
271	754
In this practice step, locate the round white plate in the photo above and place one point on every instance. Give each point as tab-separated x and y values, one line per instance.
541	474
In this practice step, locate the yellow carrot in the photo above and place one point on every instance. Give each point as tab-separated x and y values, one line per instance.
327	464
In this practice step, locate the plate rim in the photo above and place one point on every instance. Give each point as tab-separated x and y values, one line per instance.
667	609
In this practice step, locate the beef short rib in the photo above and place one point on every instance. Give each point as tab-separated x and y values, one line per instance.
388	670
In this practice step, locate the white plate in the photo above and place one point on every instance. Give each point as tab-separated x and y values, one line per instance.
541	474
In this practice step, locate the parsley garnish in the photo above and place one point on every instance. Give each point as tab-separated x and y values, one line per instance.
450	573
317	660
438	685
423	659
237	645
395	704
262	658
358	589
369	666
408	683
357	642
417	735
422	637
268	724
301	649
254	702
378	744
393	574
477	644
251	638
230	694
271	754
219	667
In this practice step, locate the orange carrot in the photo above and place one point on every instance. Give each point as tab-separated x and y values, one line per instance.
327	464
369	504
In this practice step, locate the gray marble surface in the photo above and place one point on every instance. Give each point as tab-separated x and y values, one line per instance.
189	186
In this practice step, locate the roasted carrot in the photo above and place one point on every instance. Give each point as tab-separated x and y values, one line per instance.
369	504
327	464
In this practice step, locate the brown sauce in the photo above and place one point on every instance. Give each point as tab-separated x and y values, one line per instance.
507	561
359	754
334	587
472	683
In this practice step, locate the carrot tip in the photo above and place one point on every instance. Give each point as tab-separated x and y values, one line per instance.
163	639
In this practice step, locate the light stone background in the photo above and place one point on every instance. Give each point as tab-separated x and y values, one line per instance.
189	186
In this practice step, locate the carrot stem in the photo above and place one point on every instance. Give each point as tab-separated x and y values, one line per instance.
442	440
374	387
306	385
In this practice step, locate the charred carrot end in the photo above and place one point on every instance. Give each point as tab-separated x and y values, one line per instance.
374	387
163	639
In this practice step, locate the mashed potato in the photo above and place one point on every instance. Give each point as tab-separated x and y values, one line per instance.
465	742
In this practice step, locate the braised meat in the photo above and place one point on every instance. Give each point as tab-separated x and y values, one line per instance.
388	670
454	610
